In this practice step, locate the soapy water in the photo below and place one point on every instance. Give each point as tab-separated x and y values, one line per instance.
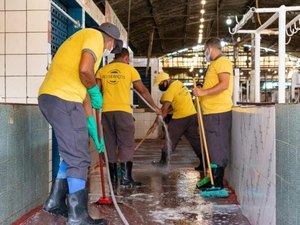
168	141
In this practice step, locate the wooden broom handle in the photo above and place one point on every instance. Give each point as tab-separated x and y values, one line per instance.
200	123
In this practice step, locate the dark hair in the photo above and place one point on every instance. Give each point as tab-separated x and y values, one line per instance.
124	52
214	42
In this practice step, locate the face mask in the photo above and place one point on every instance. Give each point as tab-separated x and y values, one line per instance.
163	86
106	53
207	55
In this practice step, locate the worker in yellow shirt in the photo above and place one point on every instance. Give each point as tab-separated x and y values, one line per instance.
115	80
70	83
169	115
216	104
184	119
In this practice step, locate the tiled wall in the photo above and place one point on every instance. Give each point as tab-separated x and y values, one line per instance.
251	171
143	121
24	49
23	160
287	164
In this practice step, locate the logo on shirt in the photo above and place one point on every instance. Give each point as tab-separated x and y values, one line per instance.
113	77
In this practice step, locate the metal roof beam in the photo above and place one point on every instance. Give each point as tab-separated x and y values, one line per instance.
150	4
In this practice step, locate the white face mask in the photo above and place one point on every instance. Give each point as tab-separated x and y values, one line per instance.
207	55
106	53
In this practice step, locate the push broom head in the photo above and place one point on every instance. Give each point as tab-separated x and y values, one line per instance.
203	183
214	192
104	201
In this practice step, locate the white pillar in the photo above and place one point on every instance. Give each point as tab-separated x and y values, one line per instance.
251	86
236	86
281	54
257	67
247	91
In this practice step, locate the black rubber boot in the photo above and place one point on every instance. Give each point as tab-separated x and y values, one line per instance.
162	162
78	210
126	178
218	174
56	202
113	171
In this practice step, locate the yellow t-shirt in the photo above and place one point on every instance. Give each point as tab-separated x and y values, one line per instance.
221	102
162	100
116	79
181	100
62	79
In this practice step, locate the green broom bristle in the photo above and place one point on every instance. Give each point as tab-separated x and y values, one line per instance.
203	182
214	192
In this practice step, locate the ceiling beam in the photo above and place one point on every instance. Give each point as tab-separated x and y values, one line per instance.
187	9
218	8
160	35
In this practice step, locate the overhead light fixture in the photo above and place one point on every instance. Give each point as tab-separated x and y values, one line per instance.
199	40
202	11
223	43
202	20
229	21
197	47
201	26
191	69
203	2
182	50
200	31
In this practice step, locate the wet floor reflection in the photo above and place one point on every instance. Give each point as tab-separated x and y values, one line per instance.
167	197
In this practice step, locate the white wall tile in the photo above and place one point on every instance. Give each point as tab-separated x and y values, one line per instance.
1	22
2	91
32	100
37	65
2	43
33	85
16	87
1	4
15	65
16	100
38	5
2	65
37	43
15	4
37	21
15	21
15	43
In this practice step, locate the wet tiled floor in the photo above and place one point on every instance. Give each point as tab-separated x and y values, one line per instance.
167	196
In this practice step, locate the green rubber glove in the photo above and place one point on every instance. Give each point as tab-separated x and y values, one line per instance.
96	97
92	129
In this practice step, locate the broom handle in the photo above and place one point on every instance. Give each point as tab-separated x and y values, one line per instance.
100	155
202	149
200	123
139	144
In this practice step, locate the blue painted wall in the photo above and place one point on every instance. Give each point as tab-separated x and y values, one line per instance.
24	160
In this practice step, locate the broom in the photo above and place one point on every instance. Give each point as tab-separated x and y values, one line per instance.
141	142
206	180
102	200
213	192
